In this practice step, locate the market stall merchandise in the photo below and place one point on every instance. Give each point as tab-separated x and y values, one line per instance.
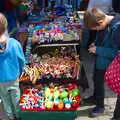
52	71
54	87
59	64
53	97
54	33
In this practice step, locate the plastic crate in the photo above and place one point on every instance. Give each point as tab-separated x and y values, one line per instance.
47	115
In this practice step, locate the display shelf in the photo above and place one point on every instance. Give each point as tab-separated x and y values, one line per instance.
59	44
26	81
74	43
50	97
41	74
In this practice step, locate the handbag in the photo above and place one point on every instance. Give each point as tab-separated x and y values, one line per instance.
112	75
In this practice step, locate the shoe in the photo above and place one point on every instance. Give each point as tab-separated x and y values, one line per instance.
90	100
96	111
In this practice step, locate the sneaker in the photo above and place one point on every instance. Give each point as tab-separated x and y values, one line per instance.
96	111
90	100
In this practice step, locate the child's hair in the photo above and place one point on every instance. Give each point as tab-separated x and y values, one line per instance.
3	24
92	16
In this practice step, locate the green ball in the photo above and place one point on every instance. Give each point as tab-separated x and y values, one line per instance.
64	94
75	92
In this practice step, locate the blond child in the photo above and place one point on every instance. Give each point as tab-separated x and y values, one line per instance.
11	66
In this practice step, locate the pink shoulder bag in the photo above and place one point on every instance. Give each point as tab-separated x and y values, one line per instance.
112	75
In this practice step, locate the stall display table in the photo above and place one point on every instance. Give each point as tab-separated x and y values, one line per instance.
50	62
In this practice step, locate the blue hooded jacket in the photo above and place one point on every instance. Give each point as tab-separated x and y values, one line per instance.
108	49
11	61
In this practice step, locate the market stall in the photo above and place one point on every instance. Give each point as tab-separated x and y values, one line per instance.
50	83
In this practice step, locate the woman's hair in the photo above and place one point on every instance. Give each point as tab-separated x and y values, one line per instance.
3	24
92	16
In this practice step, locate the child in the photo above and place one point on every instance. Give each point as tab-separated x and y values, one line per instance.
11	66
104	48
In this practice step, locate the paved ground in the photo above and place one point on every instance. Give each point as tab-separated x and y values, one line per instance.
110	101
83	111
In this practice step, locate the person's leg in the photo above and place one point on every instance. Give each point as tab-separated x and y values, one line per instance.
89	70
98	93
15	96
88	62
116	113
78	3
99	87
5	96
46	3
52	4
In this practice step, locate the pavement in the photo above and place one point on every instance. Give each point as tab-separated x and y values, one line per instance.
110	101
83	111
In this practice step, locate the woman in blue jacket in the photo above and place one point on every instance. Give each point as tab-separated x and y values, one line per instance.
104	48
